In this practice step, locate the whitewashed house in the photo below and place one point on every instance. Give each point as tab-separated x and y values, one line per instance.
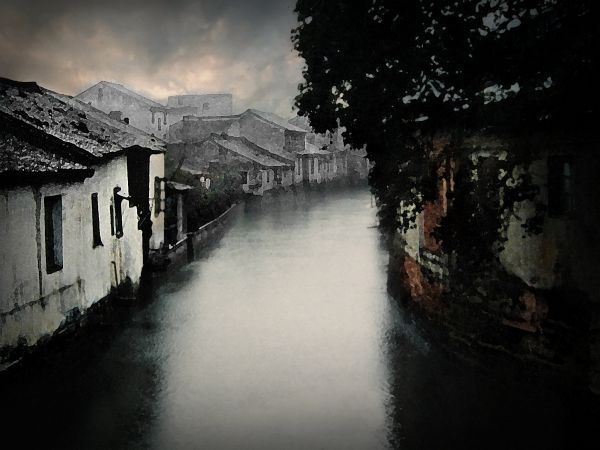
76	219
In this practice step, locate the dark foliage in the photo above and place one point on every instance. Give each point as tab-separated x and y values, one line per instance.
398	74
204	205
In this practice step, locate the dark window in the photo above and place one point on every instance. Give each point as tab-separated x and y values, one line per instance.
312	166
158	195
159	123
152	117
118	199
54	238
96	221
126	120
100	95
205	106
112	220
560	186
268	173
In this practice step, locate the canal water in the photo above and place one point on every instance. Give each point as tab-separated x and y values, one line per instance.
282	336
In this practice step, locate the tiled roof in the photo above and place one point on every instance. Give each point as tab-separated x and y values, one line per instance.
272	150
247	151
70	120
18	155
130	136
276	120
29	155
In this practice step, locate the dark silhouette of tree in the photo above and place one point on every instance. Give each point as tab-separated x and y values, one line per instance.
397	73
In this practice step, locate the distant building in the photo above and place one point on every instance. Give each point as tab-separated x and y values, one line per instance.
260	170
148	115
195	129
316	164
206	104
271	131
332	142
273	135
76	219
126	105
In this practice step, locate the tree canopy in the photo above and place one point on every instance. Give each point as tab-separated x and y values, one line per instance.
395	73
386	64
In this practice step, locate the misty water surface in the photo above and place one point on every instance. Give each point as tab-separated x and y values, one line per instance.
282	336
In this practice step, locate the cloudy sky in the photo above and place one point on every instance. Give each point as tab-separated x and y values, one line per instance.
158	48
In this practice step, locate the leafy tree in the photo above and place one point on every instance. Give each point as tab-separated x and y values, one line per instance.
204	205
399	73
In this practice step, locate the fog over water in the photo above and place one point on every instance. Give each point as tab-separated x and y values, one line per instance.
276	340
282	336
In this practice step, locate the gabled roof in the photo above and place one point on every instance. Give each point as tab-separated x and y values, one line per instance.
124	90
70	120
243	148
28	154
275	120
18	155
273	151
130	136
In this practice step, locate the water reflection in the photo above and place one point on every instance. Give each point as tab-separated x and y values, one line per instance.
275	342
438	400
282	336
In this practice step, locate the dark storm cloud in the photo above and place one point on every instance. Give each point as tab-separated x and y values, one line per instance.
159	48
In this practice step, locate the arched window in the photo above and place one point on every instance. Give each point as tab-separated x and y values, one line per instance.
100	95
